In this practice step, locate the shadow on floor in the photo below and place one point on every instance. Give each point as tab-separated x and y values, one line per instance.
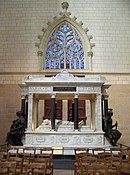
64	162
63	172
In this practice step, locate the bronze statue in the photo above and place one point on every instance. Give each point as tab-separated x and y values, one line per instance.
17	129
113	135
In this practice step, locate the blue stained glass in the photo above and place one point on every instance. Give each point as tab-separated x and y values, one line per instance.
57	64
52	64
54	54
74	46
82	64
60	33
62	64
55	47
69	37
68	56
52	36
69	52
82	55
77	63
72	64
79	41
65	27
49	43
77	36
80	52
60	52
75	54
60	42
61	57
69	42
49	52
47	64
61	37
64	44
69	33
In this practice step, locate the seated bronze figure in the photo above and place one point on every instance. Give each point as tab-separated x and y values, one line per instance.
113	135
17	129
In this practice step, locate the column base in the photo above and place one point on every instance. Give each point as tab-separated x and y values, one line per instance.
76	130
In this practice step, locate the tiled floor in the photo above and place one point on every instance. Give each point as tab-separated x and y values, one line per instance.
63	172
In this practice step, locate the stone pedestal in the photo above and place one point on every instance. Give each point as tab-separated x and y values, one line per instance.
68	140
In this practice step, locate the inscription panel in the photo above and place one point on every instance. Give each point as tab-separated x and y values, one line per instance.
64	89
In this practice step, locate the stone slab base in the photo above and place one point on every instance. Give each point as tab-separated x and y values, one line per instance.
66	141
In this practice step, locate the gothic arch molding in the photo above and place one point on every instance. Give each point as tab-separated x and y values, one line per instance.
77	26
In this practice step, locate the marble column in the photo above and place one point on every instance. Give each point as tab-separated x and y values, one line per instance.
106	106
53	115
30	111
26	112
76	112
92	115
105	112
23	105
64	110
35	113
99	113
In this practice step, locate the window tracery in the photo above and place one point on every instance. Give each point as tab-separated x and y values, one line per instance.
65	49
65	44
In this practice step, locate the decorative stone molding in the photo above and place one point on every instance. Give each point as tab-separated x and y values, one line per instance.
40	89
68	140
89	90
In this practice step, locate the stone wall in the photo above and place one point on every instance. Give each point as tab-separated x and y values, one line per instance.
107	20
10	103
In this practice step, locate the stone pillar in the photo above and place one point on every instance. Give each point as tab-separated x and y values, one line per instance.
76	112
72	111
92	115
26	112
99	113
53	115
35	113
64	110
102	108
41	112
102	113
106	106
87	112
23	105
30	111
105	112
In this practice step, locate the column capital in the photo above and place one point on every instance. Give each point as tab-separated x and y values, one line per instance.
23	96
30	96
53	95
26	100
105	97
98	96
76	95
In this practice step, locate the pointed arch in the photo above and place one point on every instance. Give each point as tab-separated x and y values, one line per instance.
65	45
64	49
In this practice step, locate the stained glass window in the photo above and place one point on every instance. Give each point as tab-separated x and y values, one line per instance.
65	50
